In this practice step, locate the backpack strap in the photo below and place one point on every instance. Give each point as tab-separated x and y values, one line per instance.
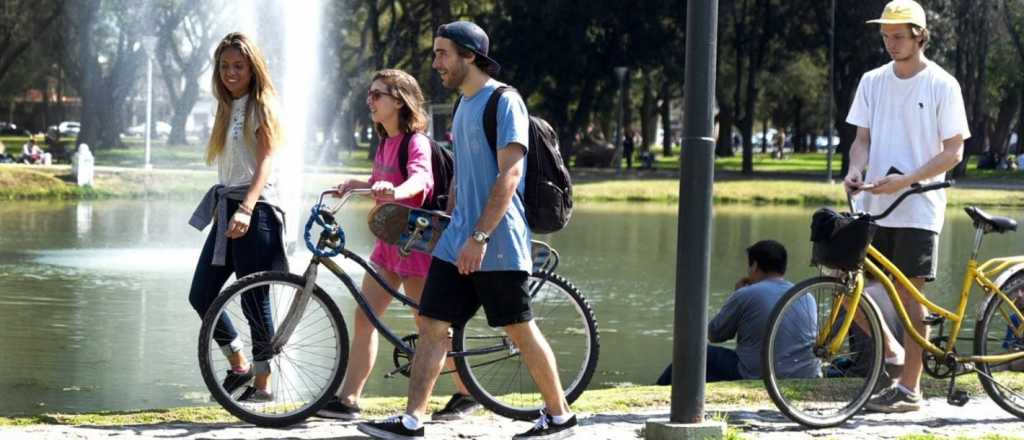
455	108
491	123
403	155
491	117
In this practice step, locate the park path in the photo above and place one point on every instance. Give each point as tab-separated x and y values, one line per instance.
980	416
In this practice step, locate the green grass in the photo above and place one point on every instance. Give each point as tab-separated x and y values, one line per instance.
720	397
930	436
55	182
765	191
621	399
817	164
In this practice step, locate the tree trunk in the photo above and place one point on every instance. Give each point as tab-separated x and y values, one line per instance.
89	71
582	114
1000	134
182	109
723	147
648	114
799	135
666	119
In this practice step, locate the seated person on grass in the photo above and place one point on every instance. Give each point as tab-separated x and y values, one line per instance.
745	317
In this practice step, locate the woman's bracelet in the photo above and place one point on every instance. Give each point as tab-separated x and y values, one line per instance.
244	208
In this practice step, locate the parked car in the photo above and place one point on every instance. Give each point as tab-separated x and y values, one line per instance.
69	128
161	130
10	129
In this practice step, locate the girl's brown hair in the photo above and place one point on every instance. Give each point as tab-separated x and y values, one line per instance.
412	117
260	109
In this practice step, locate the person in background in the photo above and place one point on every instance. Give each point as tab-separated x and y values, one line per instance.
744	316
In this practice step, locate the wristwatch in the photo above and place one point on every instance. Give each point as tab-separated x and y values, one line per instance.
480	237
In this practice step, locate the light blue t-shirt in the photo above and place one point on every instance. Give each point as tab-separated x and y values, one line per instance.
476	171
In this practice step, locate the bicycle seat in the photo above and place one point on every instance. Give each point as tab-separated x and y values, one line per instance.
990	223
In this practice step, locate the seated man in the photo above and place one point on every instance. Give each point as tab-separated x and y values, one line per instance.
745	317
33	155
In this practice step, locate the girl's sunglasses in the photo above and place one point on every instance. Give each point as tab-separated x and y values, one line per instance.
374	95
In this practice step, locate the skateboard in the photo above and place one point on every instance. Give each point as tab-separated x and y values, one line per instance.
411	229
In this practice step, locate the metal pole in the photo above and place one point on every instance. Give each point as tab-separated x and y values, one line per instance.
149	105
831	89
693	256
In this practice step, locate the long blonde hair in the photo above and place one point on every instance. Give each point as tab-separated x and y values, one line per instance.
261	105
412	118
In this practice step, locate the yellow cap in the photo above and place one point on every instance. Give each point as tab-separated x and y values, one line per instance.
902	11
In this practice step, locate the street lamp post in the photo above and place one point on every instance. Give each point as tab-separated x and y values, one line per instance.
831	87
620	74
149	43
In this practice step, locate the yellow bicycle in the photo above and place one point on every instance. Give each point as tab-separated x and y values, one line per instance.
830	374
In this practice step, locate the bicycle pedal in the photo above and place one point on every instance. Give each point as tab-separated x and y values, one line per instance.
933	319
958	398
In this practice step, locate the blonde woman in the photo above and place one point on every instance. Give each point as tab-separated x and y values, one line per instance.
396	106
248	224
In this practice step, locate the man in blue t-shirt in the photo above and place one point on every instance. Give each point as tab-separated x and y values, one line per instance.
483	257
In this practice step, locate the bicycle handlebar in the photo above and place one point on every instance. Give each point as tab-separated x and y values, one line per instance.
324	217
915	188
344	197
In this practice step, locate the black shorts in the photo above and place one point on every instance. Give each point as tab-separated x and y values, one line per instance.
454	298
914	251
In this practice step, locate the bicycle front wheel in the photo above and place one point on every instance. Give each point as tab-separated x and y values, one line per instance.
499	378
305	370
998	332
808	384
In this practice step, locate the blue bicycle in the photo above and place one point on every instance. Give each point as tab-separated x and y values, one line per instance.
310	341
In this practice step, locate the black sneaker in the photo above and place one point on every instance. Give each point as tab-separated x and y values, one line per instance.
390	429
335	409
253	395
459	406
234	381
545	428
894	400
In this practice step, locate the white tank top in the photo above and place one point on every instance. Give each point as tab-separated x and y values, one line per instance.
236	165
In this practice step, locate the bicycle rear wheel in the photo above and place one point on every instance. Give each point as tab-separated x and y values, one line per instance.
807	384
304	372
500	381
994	335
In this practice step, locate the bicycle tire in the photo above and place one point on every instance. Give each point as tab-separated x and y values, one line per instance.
835	388
500	381
1004	385
305	372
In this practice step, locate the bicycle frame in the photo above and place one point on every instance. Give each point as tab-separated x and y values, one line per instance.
881	268
546	263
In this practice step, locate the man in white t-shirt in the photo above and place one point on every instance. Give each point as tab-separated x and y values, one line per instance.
911	127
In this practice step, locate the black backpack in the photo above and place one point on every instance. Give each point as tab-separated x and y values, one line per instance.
548	187
442	166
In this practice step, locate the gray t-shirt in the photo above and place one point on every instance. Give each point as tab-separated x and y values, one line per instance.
745	317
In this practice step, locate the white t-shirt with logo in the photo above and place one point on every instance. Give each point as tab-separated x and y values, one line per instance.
908	120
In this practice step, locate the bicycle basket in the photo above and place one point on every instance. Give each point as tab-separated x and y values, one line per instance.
840	240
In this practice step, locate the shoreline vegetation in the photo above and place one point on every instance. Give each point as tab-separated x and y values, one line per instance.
23	182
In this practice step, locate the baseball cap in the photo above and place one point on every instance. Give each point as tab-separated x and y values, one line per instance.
902	11
470	36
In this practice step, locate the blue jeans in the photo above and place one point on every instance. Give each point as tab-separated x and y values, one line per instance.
722	364
258	250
